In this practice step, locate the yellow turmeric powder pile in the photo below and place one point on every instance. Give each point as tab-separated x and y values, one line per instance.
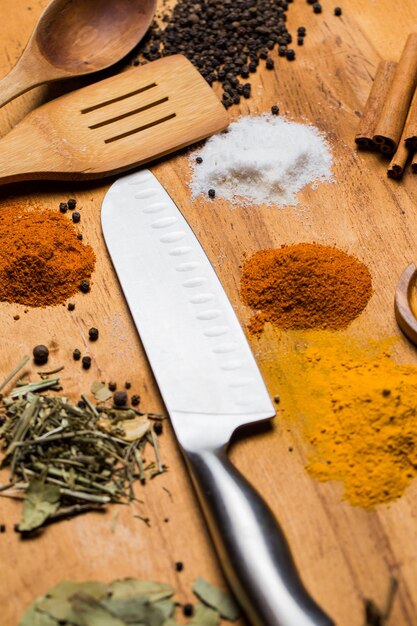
358	410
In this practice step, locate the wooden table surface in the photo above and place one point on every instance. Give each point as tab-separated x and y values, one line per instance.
344	553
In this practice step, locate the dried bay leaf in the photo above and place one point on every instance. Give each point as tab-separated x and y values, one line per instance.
216	598
41	501
135	428
130	587
91	612
129	429
100	391
133	610
204	616
57	602
166	606
59	610
67	588
33	617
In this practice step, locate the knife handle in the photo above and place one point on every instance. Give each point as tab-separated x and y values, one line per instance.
251	545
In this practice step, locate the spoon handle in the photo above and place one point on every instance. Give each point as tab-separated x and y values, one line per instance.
28	72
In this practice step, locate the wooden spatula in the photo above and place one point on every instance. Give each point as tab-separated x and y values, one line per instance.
113	125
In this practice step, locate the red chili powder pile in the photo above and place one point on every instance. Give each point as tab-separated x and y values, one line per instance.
304	286
42	262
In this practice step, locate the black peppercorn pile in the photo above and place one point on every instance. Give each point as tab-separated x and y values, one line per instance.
225	39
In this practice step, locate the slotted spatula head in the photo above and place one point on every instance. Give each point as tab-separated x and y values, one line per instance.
113	125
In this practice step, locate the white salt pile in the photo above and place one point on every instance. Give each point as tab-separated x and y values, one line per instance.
265	159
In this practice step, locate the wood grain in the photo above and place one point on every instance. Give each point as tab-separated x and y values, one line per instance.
344	553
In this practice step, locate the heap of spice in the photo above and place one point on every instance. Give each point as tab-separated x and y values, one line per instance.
225	40
261	159
304	286
357	408
68	458
128	601
42	261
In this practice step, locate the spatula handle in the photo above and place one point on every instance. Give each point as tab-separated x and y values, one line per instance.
252	548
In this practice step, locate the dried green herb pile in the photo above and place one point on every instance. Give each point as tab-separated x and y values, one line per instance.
126	602
67	459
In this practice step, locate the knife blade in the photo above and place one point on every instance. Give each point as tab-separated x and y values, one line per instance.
210	384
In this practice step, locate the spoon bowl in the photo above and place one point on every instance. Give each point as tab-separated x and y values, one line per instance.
77	37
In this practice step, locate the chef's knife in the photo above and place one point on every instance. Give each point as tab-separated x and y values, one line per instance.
210	384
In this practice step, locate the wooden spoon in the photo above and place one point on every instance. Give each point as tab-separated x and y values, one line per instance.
404	313
77	37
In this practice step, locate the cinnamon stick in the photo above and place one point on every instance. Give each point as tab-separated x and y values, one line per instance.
399	161
394	112
400	158
374	104
414	164
410	129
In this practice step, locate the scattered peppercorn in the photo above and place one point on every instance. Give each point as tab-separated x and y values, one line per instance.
71	306
120	398
135	400
269	64
317	7
80	236
112	386
301	31
188	610
338	11
276	399
72	203
128	384
290	54
16	317
81	404
85	286
300	41
63	207
2	528
40	354
158	428
179	566
199	160
274	109
76	217
76	355
86	362
93	334
282	50
212	193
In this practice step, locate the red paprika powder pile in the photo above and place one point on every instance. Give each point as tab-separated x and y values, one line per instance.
42	262
305	285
